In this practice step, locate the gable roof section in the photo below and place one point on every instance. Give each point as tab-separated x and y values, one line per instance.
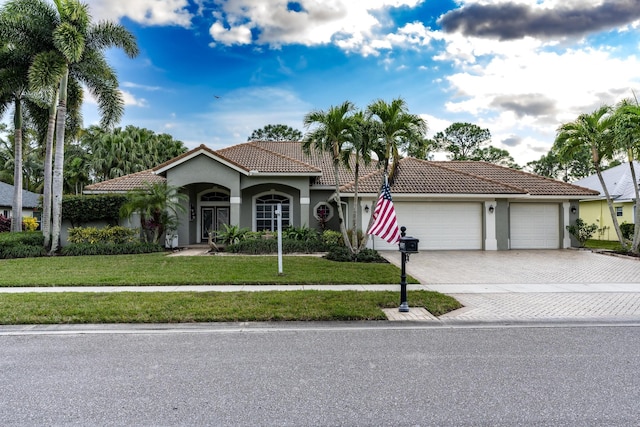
618	180
320	160
125	183
29	199
198	151
258	159
416	176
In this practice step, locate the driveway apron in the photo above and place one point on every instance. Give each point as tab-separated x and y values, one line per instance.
530	285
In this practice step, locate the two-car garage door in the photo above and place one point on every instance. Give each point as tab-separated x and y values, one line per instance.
459	225
439	225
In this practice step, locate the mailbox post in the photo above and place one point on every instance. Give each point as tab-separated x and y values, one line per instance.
407	245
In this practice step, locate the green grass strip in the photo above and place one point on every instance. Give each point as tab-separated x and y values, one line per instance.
184	307
159	269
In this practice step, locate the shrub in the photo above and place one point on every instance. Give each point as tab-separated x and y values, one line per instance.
332	238
300	233
110	248
231	234
21	245
270	246
93	235
83	209
343	254
29	223
627	230
5	224
581	231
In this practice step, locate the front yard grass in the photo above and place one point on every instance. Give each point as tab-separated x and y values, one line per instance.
612	245
184	307
159	269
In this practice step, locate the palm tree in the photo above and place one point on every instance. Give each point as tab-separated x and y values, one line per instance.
23	26
365	140
78	56
332	131
158	205
627	136
595	131
400	130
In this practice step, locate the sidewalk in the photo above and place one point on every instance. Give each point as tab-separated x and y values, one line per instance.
498	287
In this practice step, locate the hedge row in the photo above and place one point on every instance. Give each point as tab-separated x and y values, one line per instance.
110	249
83	209
21	245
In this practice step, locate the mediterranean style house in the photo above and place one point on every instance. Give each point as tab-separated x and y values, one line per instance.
446	205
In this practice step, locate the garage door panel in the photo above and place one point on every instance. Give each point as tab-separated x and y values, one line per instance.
445	225
534	226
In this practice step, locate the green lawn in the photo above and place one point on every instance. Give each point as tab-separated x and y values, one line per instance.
159	269
612	245
172	307
181	307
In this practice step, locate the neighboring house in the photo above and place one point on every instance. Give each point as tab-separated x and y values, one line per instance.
447	205
30	201
620	186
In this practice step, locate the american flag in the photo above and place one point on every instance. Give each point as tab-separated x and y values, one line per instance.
385	224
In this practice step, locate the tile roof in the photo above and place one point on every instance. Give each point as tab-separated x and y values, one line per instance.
321	160
532	184
254	156
466	177
414	176
125	183
29	199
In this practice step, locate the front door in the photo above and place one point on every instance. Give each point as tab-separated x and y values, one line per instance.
213	219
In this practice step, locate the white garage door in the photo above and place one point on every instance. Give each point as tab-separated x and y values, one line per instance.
534	225
439	225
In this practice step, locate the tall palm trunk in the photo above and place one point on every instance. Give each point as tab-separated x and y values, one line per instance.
636	229
48	165
16	221
338	199
354	237
616	226
58	171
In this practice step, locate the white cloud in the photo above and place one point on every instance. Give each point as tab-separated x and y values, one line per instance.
131	100
349	24
145	12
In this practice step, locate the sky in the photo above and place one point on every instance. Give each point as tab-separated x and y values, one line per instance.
212	71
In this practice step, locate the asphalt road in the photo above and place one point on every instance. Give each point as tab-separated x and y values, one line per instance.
321	375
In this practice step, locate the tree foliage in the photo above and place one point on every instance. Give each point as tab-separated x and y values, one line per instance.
118	152
276	133
158	205
467	141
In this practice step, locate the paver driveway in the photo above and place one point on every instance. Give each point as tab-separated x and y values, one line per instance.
519	267
533	285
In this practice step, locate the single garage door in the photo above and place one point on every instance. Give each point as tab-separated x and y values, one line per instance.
446	225
534	225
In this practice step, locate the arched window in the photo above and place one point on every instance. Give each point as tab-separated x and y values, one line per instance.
266	206
214	196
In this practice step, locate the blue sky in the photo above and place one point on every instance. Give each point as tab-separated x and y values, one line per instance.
212	71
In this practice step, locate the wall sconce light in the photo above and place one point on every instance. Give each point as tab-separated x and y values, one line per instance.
573	209
491	208
366	208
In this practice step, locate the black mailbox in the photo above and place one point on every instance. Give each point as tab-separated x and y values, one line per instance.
409	245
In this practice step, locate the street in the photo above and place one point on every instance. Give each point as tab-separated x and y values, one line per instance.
320	374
